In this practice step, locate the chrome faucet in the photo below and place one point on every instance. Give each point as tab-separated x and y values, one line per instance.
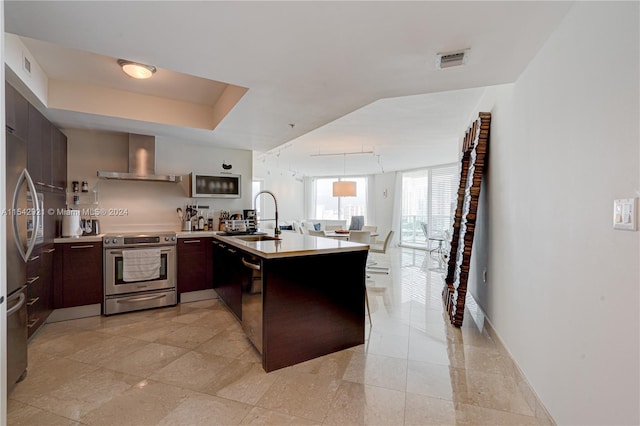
277	231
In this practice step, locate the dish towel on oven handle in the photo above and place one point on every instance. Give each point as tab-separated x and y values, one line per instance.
140	264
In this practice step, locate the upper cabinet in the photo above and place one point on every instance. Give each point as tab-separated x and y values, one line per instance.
58	159
37	138
16	112
46	152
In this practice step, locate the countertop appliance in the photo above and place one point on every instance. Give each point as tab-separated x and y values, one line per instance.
125	295
223	185
90	226
23	223
71	224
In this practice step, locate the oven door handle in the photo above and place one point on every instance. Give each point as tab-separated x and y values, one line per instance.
120	251
142	299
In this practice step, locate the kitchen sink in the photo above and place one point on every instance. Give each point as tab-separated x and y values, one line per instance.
256	237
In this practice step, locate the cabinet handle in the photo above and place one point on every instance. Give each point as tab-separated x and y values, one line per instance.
232	251
50	251
41	183
82	247
141	299
32	258
51	186
33	279
120	251
31	302
191	241
33	322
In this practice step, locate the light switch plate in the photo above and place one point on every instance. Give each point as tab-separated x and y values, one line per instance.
624	214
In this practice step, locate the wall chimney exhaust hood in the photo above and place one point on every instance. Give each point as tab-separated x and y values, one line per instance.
142	162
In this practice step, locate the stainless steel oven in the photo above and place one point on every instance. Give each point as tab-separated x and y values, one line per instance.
123	294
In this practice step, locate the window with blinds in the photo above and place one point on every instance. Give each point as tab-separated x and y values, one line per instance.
428	203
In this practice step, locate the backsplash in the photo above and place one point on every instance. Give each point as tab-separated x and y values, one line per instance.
132	206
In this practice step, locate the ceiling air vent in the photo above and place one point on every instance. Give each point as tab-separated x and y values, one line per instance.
451	59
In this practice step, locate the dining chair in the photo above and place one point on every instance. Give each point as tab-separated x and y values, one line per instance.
382	249
356	223
425	231
363	237
372	229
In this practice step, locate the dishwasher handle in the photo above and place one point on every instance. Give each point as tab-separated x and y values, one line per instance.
250	265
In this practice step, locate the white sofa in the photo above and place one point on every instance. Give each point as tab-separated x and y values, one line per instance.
305	225
324	223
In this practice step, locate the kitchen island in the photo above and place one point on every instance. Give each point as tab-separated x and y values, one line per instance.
298	298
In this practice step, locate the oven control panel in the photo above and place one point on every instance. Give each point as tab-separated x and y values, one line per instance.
140	240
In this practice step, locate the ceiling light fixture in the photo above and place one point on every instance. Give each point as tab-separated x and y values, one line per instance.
344	188
136	70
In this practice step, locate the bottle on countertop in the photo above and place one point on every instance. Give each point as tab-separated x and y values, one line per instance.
210	221
200	221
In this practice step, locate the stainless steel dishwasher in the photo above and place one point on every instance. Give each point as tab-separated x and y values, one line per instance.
252	302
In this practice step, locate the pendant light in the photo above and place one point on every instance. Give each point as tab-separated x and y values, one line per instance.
344	188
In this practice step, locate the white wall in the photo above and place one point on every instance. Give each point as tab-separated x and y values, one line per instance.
562	290
36	81
150	205
288	189
382	214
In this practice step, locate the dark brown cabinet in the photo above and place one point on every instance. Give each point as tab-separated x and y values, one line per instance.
228	274
46	145
79	280
194	264
16	112
58	159
39	287
46	152
38	146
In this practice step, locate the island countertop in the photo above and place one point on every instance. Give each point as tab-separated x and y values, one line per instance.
292	245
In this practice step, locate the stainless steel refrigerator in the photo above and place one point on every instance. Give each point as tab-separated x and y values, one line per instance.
23	219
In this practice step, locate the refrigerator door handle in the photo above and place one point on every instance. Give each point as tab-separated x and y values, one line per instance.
21	300
24	176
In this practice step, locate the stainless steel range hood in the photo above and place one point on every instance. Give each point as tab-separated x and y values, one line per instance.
142	162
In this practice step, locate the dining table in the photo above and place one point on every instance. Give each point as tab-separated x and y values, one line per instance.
343	235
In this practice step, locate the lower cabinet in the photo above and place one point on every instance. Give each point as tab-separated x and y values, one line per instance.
194	264
228	273
78	274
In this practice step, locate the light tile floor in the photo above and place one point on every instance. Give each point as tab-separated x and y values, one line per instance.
191	365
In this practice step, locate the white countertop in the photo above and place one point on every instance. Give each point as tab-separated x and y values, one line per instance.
292	245
191	234
83	239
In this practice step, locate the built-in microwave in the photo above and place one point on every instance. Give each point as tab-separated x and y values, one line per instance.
223	185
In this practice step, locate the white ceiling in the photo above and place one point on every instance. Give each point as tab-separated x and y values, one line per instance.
312	64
